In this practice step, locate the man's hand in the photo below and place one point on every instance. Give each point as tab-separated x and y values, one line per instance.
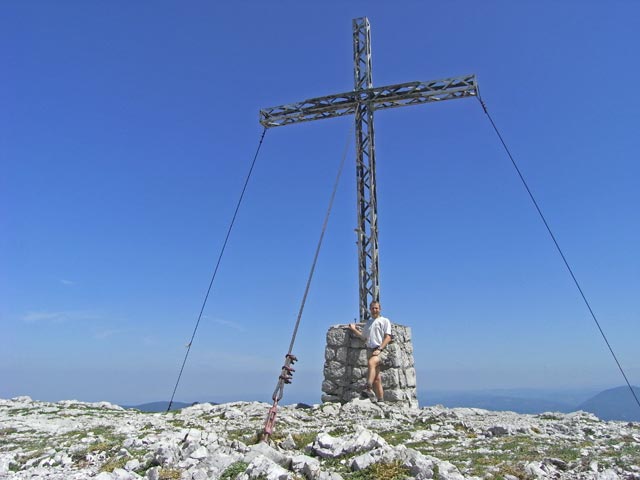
354	329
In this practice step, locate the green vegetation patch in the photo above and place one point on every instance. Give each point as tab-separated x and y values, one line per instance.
233	470
113	463
396	438
517	471
106	441
339	431
33	444
248	436
304	438
21	460
179	423
14	412
381	471
565	452
169	474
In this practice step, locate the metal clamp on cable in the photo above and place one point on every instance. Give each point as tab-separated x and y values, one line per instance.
271	421
292	358
286	377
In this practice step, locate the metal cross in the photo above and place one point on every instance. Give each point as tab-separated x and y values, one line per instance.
363	101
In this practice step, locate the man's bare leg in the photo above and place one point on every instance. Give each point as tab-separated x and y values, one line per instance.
377	387
373	369
373	377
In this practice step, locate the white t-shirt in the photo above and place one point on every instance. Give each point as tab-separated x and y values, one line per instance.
375	330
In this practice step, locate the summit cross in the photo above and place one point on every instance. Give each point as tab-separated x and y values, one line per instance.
363	101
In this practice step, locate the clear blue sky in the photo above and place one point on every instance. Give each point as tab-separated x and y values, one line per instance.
126	132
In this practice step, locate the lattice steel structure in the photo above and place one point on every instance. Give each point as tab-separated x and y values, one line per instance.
362	102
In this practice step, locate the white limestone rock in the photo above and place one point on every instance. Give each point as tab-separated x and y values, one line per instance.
263	468
288	443
326	445
262	449
72	440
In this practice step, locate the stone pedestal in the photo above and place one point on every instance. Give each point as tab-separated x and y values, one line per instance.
345	367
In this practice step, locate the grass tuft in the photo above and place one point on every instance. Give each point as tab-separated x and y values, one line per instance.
382	471
233	470
113	463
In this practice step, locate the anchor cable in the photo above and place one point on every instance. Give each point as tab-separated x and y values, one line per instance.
317	253
287	372
564	259
215	271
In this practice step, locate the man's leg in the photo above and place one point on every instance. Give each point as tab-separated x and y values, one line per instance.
373	369
377	385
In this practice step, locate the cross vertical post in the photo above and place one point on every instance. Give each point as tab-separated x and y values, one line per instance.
367	231
362	102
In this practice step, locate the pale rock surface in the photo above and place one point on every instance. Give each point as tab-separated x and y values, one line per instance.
73	440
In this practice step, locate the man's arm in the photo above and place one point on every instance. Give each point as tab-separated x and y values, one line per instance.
354	329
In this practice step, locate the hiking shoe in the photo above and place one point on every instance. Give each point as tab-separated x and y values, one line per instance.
367	392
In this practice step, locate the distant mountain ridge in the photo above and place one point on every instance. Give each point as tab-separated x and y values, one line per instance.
612	404
499	402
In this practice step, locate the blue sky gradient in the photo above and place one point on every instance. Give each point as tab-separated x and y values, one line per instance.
126	132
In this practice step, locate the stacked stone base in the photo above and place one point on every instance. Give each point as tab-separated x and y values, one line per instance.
345	367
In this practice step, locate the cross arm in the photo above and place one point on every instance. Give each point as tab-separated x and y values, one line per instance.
391	96
312	109
415	93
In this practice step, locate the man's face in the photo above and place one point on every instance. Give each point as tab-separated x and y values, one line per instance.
374	308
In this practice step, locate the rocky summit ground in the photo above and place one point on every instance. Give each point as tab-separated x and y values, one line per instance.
358	440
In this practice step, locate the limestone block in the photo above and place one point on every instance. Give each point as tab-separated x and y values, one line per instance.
398	334
329	387
262	449
343	381
333	370
357	356
402	379
308	466
198	474
390	379
329	354
341	354
337	335
330	398
394	395
200	453
395	361
104	476
264	467
410	375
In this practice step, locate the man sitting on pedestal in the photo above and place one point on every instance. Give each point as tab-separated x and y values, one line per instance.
376	334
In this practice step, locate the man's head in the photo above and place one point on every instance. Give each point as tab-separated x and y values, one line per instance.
375	308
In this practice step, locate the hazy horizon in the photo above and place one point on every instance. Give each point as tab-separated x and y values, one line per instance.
570	396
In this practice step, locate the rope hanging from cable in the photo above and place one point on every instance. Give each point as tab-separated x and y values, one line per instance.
286	374
215	270
557	245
